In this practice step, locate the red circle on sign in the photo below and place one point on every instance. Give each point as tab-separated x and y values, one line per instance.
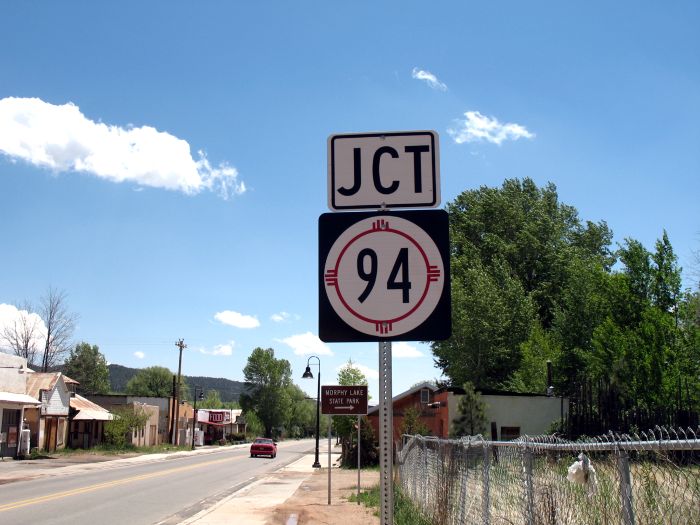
425	290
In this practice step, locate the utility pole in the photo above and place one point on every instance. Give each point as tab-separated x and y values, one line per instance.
181	345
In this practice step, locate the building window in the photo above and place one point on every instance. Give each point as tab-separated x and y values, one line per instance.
510	433
425	396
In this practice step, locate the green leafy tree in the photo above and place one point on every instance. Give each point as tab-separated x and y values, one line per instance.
211	400
267	379
346	426
666	277
583	305
411	424
254	427
491	317
369	453
87	365
300	419
348	375
512	248
155	381
531	231
688	351
471	418
542	346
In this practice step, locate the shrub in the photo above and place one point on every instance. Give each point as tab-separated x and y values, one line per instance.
126	420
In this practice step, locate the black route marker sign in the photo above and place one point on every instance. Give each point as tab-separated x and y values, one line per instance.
384	276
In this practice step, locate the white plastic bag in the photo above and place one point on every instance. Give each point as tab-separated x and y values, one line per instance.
583	473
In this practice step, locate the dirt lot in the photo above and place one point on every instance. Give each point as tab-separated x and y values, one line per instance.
310	502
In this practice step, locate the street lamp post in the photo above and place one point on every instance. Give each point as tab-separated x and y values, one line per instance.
309	375
194	415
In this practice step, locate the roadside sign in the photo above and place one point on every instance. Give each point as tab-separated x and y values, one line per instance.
384	276
391	169
344	400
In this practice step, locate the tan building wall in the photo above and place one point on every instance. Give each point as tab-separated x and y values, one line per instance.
516	415
12	379
148	435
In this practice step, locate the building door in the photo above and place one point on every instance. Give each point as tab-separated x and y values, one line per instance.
51	432
10	428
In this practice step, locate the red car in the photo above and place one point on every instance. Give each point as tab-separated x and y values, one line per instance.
263	447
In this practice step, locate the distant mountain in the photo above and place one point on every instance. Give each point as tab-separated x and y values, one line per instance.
228	390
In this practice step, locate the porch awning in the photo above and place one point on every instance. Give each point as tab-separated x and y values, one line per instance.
93	415
18	399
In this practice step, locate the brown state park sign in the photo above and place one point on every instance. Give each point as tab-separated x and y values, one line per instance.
344	400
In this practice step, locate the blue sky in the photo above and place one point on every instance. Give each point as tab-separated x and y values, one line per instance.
164	163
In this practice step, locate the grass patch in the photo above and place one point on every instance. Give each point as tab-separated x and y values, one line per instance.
405	512
112	450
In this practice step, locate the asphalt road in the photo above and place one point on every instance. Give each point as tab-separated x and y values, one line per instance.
165	491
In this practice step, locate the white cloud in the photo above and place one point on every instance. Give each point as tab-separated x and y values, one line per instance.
307	344
370	373
224	349
139	355
284	316
402	350
477	128
237	320
429	79
61	138
280	317
22	321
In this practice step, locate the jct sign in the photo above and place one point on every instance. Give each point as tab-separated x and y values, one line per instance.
384	276
344	400
387	169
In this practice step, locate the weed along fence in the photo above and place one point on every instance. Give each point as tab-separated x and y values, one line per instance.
650	478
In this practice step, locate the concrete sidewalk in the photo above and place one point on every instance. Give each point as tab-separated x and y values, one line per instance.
255	504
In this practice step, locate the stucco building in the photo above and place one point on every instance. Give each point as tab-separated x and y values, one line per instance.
14	402
509	415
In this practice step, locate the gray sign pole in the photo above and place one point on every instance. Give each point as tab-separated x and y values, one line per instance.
358	458
386	436
330	423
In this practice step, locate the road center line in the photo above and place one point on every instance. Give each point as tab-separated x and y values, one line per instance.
107	484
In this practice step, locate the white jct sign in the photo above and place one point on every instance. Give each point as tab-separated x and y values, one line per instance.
384	276
387	169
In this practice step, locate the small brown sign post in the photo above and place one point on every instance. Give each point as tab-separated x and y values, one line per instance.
344	401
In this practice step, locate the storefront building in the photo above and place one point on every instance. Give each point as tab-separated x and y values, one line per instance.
218	424
13	402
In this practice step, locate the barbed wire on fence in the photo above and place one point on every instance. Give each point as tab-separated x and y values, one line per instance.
648	478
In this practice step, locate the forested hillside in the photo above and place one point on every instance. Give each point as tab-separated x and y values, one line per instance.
228	390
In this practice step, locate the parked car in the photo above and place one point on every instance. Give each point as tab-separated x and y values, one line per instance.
263	447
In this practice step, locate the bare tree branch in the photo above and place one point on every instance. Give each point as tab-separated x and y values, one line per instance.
60	324
21	336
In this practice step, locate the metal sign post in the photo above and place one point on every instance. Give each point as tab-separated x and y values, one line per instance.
330	424
386	436
359	447
383	275
344	400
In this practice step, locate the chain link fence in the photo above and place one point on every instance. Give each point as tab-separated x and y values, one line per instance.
650	478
